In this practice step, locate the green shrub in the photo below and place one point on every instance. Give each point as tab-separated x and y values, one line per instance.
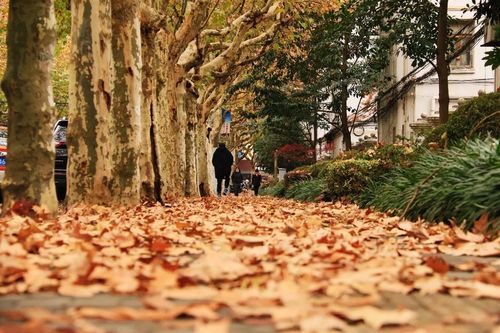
390	156
277	190
309	190
480	115
318	170
347	178
296	176
459	184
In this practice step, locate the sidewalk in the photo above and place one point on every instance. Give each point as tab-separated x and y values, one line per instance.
244	265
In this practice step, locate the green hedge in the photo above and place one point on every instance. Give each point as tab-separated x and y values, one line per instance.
347	178
309	190
276	190
318	170
480	115
459	184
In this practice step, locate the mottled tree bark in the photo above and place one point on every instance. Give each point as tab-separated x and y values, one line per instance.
205	173
89	143
150	187
167	132
105	103
27	86
191	174
126	103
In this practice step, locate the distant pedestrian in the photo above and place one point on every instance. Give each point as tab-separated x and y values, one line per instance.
222	161
237	179
256	181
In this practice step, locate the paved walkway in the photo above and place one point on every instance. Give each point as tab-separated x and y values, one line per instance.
435	313
252	265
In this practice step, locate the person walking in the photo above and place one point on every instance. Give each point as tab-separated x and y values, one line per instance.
256	181
237	179
222	161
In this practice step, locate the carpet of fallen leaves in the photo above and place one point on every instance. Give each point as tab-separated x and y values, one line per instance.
302	267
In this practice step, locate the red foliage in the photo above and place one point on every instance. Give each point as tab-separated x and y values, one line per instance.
295	153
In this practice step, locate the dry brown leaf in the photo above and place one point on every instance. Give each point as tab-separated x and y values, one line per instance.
437	264
321	323
375	317
429	285
468	236
203	311
473	249
196	293
126	313
481	225
157	302
221	326
30	327
473	289
74	290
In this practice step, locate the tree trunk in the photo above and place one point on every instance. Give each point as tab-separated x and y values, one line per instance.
180	126
203	160
344	95
27	85
275	160
150	187
89	172
191	177
166	132
315	137
442	65
126	103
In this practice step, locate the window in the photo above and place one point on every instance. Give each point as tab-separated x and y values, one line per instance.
461	33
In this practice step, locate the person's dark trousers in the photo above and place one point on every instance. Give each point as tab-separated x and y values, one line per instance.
226	183
237	189
219	184
256	190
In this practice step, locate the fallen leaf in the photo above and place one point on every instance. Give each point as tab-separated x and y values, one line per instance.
438	264
221	326
481	225
198	293
468	236
375	317
70	289
321	323
472	249
473	289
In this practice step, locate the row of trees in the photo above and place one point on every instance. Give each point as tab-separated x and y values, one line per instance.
147	79
344	54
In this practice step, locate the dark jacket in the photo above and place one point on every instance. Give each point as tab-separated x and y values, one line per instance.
222	162
237	178
256	180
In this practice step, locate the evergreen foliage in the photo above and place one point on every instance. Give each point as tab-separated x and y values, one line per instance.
347	178
308	190
478	117
276	190
460	184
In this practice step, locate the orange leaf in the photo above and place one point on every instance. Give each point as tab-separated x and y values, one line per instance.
438	264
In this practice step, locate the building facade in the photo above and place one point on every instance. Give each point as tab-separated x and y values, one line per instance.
420	105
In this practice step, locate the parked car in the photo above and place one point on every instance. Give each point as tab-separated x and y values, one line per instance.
61	161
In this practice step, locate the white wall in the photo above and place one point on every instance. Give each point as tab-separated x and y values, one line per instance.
369	129
423	98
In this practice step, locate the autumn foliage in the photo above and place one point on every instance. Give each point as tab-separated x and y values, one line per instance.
296	265
296	152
